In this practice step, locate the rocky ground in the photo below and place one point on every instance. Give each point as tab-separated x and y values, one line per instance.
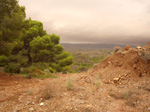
121	83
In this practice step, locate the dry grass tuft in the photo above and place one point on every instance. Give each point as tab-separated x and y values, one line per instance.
70	83
97	82
127	47
116	49
47	91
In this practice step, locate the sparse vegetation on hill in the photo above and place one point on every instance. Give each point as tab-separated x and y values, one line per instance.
84	60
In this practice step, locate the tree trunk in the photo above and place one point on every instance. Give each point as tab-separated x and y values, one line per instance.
29	57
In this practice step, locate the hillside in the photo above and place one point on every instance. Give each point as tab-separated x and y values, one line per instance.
84	60
120	83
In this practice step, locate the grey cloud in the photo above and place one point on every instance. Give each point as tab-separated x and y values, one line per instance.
120	21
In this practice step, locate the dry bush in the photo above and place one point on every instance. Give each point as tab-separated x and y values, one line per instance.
127	95
28	76
146	57
69	83
127	48
131	97
117	48
133	100
30	92
98	83
120	95
86	95
47	91
111	91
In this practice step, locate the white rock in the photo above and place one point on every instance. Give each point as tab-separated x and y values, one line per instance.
139	47
41	104
116	79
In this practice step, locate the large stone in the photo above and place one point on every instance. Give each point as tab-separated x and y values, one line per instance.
139	47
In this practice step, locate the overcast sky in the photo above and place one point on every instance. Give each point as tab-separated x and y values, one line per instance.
97	21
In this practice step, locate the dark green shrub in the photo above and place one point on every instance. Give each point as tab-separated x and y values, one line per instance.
13	58
28	70
12	68
54	67
3	60
66	61
31	69
41	65
23	60
52	70
66	69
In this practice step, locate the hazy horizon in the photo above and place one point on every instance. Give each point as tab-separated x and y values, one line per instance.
93	21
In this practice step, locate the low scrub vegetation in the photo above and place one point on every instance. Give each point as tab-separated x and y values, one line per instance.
12	68
84	60
47	91
33	72
117	48
127	95
146	57
70	83
30	92
97	82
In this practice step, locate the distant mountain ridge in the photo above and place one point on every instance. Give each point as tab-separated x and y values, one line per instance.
89	46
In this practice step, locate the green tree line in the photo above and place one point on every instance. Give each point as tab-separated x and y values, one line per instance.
24	42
